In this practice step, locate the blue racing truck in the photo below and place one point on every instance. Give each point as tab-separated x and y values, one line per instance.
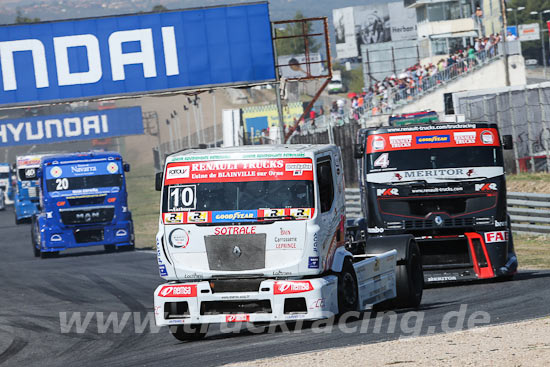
27	187
83	202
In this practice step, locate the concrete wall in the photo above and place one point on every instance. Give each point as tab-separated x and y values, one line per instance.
426	29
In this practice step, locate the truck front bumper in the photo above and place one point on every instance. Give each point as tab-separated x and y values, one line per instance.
275	301
120	233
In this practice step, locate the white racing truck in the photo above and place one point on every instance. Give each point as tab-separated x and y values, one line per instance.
258	234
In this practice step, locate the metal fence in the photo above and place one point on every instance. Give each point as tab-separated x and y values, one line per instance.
529	212
523	112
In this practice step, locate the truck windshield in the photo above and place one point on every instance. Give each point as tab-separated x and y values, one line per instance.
260	187
84	178
435	158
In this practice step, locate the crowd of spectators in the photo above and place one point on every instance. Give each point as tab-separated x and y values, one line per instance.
382	95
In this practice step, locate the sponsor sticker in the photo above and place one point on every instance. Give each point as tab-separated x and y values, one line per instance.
433	139
173	218
162	270
56	171
179	238
497	236
224	231
465	137
291	287
237	318
487	137
178	291
112	168
401	141
301	213
486	187
387	192
224	216
273	212
197	217
313	262
378	143
177	172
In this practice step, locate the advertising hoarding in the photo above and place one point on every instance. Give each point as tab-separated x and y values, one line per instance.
136	54
71	127
529	32
372	24
296	66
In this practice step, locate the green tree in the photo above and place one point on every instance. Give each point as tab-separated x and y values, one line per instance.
296	45
159	8
20	18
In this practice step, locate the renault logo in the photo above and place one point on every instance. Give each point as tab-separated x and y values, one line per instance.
237	251
438	220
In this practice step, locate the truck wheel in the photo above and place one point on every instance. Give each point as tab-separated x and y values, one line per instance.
191	332
409	279
33	238
17	221
348	297
47	255
110	248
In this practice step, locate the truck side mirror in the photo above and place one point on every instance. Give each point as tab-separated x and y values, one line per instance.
507	142
358	151
158	181
126	167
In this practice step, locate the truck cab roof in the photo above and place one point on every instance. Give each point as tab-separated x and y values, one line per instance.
252	152
65	157
428	127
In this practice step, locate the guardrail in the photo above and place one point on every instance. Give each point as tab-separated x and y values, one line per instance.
529	212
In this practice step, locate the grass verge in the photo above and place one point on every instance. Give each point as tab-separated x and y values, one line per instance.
533	251
143	201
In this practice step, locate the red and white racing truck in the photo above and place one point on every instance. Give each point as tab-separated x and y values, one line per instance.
258	234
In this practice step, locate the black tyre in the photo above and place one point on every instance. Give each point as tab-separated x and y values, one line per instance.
127	248
17	221
34	240
191	332
409	279
348	296
48	255
110	248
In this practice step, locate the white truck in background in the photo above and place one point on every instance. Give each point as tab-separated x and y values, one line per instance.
258	234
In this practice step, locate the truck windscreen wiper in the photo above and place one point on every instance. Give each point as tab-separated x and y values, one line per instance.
284	217
409	182
462	178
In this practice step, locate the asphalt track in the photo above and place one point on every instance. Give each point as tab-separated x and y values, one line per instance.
36	293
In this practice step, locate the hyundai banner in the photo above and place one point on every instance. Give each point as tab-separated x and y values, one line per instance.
72	126
136	54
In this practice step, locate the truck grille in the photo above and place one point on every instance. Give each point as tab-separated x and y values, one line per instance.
87	215
236	252
454	222
33	192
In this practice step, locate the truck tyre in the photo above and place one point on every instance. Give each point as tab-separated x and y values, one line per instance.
17	221
110	248
33	238
191	332
348	297
47	255
409	279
